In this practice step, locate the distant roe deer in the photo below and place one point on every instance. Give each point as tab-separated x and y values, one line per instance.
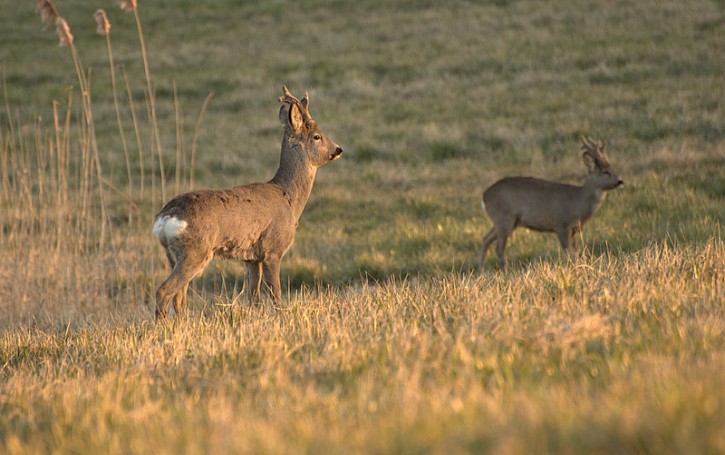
254	223
547	206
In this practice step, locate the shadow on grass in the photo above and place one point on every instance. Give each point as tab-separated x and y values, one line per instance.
225	281
597	250
363	272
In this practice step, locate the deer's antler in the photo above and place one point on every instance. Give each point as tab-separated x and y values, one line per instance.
594	149
303	105
287	97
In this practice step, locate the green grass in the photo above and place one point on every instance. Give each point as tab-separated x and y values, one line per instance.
388	340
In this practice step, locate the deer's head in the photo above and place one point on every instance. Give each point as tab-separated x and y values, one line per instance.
302	132
601	173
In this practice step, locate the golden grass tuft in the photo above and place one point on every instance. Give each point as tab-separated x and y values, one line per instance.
65	36
48	13
104	25
127	5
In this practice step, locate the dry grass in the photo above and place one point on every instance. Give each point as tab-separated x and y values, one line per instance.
598	355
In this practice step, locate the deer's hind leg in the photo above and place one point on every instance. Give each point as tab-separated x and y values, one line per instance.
503	232
488	239
180	300
186	267
180	296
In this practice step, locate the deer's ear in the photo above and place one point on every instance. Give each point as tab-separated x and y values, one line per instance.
283	114
296	119
589	161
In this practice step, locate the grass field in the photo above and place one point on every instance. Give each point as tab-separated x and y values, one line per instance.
388	340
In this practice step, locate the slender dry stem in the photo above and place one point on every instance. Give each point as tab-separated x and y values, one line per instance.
152	102
194	141
104	27
66	39
137	132
179	143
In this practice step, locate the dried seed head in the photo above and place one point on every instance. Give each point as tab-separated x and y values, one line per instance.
48	13
127	5
104	26
64	34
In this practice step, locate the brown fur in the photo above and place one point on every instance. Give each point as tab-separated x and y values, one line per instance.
547	206
254	223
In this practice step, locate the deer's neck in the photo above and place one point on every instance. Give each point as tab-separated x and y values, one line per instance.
295	176
593	196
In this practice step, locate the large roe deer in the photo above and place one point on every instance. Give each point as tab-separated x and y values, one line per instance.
547	206
253	223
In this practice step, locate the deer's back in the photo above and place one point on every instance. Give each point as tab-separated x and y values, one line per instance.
246	222
535	203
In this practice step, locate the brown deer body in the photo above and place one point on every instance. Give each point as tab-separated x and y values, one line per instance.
254	223
547	206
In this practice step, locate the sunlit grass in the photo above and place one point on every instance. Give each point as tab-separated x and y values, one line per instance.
598	354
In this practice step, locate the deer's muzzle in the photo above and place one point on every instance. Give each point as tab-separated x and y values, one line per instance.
336	154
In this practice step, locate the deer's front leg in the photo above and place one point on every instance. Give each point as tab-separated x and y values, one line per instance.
270	268
254	281
564	234
577	236
567	239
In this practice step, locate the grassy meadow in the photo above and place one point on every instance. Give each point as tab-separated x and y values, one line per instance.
388	340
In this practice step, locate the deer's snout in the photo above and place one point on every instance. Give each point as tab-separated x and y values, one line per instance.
619	183
336	154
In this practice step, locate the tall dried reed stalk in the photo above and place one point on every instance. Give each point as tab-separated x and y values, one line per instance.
131	6
137	133
43	227
195	140
180	152
104	29
62	170
91	163
178	168
66	40
61	209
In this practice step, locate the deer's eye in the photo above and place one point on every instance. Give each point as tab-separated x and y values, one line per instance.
317	137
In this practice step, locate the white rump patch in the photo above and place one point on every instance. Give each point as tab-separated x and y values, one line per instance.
168	227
